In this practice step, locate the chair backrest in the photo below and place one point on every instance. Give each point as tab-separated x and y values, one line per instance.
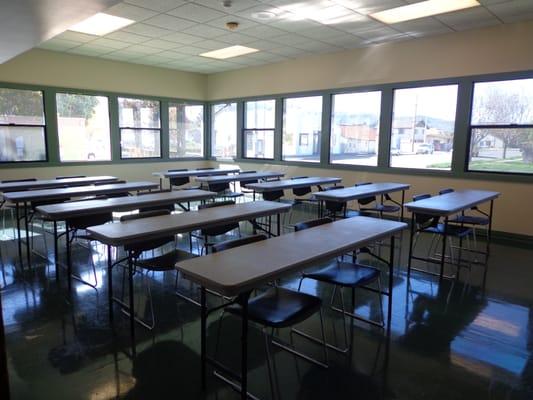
177	170
110	195
311	224
363	183
273	195
178	180
19	180
218	187
444	191
169	207
71	176
204	168
90	220
301	191
218	230
425	220
100	183
365	200
246	182
247	172
334	206
230	244
145	245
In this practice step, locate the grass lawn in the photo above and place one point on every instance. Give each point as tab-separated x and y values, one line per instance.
493	165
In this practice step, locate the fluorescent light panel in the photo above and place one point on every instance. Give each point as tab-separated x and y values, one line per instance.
422	9
101	24
229	52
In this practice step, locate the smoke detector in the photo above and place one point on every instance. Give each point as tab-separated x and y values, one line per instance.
232	25
226	3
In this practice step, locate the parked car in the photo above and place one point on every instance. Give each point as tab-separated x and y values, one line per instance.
424	148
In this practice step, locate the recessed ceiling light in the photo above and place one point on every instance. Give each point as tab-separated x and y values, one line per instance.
228	52
263	15
101	24
422	9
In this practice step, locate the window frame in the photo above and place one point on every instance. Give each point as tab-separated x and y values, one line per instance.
471	127
205	121
209	130
246	129
43	126
120	128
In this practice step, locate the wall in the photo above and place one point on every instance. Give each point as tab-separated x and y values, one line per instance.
498	49
49	68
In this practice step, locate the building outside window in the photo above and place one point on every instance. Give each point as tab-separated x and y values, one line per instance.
186	130
224	130
259	126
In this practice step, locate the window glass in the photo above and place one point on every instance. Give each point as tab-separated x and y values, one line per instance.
186	130
423	126
140	128
224	130
302	125
22	126
83	127
259	129
355	128
501	134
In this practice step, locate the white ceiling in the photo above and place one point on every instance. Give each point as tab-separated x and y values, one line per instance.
26	23
172	33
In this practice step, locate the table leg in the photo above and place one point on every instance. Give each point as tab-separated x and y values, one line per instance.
403	202
110	282
443	255
278	222
19	239
56	251
411	240
26	227
489	238
203	328
69	261
132	303
244	347
391	279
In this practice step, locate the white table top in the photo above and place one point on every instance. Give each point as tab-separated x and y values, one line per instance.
240	177
291	183
359	192
243	268
62	211
195	172
451	203
78	191
121	233
53	183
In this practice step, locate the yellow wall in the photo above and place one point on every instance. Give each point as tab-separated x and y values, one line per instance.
42	67
498	49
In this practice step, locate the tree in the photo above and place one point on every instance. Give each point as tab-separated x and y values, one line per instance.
76	106
21	103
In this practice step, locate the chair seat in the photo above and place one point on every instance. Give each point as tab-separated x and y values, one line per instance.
345	274
279	307
471	220
453	230
388	208
164	262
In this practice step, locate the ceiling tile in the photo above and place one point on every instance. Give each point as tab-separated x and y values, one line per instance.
118	57
173	55
315	45
292	24
182	38
59	44
205	31
170	22
196	12
236	38
263	31
127	37
211	44
114	44
161	44
319	33
89	49
291	39
513	11
344	40
421	27
366	7
262	45
129	11
221	22
379	34
142	49
157	5
467	19
76	36
237	5
192	50
127	54
288	51
146	30
357	24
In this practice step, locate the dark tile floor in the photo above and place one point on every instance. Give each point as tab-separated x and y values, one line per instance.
452	340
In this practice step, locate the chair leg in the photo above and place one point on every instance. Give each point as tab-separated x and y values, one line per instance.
381	300
271	374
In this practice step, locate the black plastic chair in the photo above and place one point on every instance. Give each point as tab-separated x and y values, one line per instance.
160	263
166	207
207	233
223	190
426	223
243	183
332	208
343	275
276	308
371	205
179	182
11	207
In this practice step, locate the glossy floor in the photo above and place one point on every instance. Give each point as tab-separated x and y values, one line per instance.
447	341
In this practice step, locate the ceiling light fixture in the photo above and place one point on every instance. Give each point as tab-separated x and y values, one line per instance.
232	25
422	9
101	24
263	15
229	52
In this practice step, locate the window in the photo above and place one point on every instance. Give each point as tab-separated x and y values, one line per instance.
224	130
259	123
22	126
423	126
140	128
186	130
501	133
355	128
302	124
83	127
